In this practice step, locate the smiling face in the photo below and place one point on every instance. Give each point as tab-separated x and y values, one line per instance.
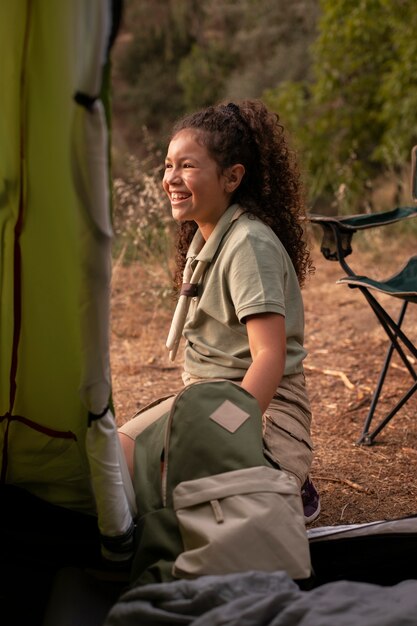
194	184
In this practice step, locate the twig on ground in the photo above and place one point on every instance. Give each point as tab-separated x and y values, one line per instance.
345	481
328	372
343	511
356	406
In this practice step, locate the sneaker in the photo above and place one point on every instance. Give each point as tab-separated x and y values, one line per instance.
311	501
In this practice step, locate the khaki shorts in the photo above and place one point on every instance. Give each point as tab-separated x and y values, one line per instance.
286	425
286	429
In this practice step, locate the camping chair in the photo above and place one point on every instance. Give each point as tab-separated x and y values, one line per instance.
336	246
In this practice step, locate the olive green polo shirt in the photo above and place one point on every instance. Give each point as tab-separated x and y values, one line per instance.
249	272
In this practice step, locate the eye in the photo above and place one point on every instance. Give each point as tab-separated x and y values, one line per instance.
188	165
168	166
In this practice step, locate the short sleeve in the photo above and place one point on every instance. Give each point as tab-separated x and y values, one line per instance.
257	276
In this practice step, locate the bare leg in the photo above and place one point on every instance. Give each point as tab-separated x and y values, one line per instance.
128	447
135	426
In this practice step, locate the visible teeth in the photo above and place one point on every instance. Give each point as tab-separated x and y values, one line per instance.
178	196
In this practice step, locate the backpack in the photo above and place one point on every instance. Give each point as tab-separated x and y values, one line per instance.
209	501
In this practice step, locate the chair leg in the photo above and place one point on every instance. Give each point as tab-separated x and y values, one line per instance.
365	438
394	333
368	438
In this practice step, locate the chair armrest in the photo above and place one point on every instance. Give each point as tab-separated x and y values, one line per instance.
365	220
338	230
336	238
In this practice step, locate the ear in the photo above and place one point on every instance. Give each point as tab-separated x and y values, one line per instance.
233	177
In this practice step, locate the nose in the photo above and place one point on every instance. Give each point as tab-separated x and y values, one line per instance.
172	176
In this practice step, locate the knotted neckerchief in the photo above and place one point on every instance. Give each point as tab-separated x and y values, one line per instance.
189	289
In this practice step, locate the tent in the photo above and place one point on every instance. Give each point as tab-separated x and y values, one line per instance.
58	438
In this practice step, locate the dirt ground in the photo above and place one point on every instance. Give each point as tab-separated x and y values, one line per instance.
346	348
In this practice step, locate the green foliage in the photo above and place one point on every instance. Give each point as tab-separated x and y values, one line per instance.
351	54
398	88
357	116
150	65
348	100
185	54
202	75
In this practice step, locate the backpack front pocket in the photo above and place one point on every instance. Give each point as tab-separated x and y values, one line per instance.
247	519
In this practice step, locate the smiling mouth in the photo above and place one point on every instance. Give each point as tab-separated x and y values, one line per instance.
177	197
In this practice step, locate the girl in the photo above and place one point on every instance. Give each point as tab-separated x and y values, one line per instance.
241	260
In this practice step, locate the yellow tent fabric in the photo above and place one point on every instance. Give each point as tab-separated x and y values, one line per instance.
55	263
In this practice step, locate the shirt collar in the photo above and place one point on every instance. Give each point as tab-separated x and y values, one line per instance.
205	250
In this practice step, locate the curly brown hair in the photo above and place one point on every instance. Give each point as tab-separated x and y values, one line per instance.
252	135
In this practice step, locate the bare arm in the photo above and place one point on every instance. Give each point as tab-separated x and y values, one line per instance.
267	343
